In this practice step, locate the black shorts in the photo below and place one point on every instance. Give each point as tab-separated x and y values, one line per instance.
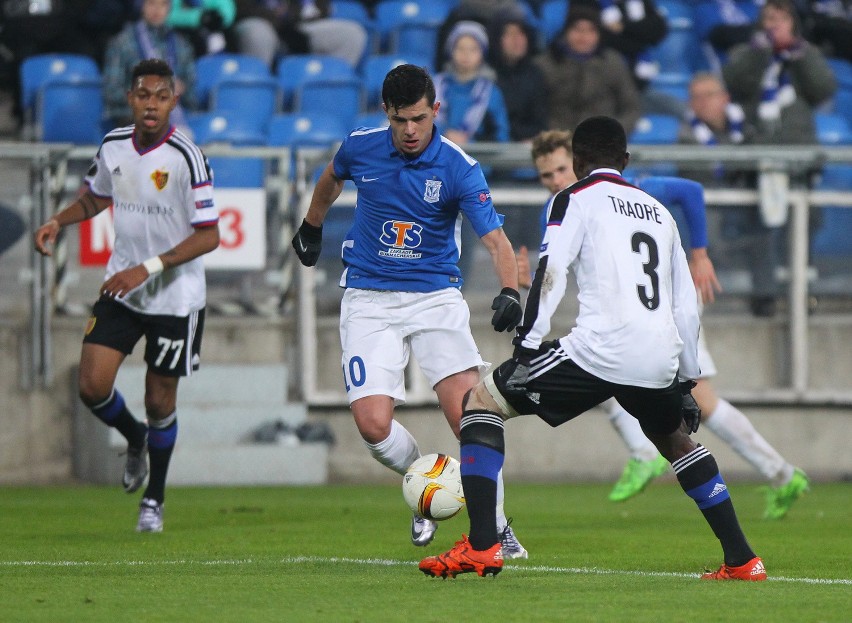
564	391
172	343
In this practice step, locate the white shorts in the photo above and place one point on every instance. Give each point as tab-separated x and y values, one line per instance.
380	329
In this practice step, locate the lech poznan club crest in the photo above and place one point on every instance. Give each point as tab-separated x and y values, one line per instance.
433	191
161	178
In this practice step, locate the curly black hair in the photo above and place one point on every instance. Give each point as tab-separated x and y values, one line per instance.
152	67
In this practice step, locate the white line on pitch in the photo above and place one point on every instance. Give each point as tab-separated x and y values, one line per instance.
385	563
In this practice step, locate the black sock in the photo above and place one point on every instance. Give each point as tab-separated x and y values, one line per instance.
699	477
481	455
114	412
161	442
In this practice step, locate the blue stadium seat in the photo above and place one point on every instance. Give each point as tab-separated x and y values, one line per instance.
213	68
371	120
392	14
680	52
340	98
255	98
357	12
832	238
36	71
305	130
679	14
552	18
70	111
655	130
673	83
238	172
843	72
295	70
224	126
376	68
832	129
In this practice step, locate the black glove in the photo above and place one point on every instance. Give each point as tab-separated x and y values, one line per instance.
518	375
308	243
508	312
212	20
689	408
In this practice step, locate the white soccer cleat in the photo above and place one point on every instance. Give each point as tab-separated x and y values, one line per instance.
135	467
422	530
150	516
512	548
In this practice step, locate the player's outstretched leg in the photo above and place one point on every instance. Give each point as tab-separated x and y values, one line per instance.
700	479
481	458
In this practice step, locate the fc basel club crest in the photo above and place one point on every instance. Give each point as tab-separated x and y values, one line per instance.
161	178
91	324
433	191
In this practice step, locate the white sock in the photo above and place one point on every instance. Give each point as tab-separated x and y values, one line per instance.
734	428
628	428
501	514
398	451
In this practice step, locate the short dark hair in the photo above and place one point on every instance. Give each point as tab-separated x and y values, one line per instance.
405	85
600	141
152	67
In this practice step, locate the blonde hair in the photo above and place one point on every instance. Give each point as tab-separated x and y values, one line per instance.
549	141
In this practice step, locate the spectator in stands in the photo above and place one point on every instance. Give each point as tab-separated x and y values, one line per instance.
519	78
267	28
472	105
483	11
779	79
828	24
585	79
149	37
204	22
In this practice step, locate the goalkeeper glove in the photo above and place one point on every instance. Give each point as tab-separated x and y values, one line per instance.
508	312
689	408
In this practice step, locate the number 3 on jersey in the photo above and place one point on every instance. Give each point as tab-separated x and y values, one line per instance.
644	244
355	373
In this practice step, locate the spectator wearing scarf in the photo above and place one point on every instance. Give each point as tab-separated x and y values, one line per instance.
472	105
779	78
149	37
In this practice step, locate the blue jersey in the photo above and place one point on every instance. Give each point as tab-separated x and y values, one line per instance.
405	235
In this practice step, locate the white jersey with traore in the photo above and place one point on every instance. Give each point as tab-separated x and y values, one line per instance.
160	195
638	310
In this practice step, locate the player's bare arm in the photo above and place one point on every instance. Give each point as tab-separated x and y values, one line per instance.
704	275
326	192
202	240
503	257
83	208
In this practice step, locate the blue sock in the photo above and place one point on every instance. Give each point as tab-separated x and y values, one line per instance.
114	412
162	435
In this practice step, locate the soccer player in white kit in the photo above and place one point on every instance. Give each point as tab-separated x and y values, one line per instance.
401	272
635	339
161	190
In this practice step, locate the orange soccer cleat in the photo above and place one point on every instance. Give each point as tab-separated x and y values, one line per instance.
462	558
752	571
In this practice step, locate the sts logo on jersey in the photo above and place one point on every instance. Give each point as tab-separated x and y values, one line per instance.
401	237
161	178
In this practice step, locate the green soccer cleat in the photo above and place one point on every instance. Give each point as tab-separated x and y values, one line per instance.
636	476
780	499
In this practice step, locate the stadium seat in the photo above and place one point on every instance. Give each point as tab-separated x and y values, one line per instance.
842	71
305	130
371	120
295	70
832	129
679	14
552	18
340	98
238	172
255	98
421	17
357	12
673	83
70	111
213	68
376	68
224	127
680	52
832	238
36	71
655	130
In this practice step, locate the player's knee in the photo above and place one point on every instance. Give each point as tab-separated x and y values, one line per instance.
91	392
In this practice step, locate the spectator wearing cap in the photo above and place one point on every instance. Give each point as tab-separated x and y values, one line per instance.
472	106
519	78
585	78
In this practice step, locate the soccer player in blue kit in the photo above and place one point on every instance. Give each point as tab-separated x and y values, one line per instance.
402	283
635	339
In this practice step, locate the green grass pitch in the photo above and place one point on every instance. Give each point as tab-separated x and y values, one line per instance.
342	553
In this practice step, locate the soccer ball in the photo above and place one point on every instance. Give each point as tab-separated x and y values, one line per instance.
432	487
